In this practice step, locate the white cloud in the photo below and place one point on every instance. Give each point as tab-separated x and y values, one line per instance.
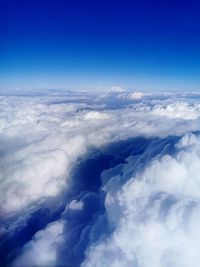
178	109
40	142
75	205
133	95
41	139
96	115
42	250
136	95
113	89
155	215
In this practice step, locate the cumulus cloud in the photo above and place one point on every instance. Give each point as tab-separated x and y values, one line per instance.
37	137
95	115
178	110
115	89
43	138
75	205
133	95
137	95
42	250
155	214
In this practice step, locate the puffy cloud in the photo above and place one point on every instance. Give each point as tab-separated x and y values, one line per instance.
42	140
136	95
115	89
178	110
75	205
95	115
42	250
155	214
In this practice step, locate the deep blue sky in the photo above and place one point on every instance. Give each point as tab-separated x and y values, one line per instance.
139	45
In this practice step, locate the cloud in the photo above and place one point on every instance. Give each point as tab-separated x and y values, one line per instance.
44	137
95	115
134	95
40	142
75	205
41	251
155	214
114	89
178	110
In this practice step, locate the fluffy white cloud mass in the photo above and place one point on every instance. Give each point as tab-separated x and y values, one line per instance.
41	251
136	205
155	214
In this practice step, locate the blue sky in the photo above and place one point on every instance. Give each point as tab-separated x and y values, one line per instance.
138	45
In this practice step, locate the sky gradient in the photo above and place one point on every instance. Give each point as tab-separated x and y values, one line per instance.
138	45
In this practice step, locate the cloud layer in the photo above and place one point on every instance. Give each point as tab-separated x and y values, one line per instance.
144	188
155	214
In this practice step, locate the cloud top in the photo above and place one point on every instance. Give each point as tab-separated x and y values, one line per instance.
134	204
155	214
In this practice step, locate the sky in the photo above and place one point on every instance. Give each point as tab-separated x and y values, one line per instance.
76	44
